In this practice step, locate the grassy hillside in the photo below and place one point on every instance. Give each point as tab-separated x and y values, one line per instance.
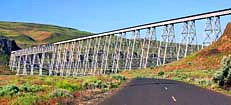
28	34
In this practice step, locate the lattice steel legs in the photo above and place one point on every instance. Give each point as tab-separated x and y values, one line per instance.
167	48
212	30
32	64
135	34
188	43
107	54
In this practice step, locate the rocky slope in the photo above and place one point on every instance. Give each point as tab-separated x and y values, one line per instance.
6	46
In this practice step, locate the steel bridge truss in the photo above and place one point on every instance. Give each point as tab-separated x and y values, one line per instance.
124	49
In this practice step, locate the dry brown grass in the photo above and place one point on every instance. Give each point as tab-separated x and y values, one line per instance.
38	35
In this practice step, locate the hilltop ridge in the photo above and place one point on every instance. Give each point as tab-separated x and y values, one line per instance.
29	34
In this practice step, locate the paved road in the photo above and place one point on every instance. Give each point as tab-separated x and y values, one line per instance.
165	92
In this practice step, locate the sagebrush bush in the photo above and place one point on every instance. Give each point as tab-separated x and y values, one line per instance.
161	73
100	84
94	84
204	82
223	77
31	88
27	99
118	77
9	90
60	93
114	85
68	86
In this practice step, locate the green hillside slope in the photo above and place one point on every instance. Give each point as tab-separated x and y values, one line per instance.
29	34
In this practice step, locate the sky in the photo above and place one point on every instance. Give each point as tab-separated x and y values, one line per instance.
103	15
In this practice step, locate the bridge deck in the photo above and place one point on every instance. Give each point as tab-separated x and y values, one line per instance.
157	24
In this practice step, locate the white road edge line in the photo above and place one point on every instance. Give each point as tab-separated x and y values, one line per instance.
173	98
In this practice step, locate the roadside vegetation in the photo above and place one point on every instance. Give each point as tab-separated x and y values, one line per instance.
223	77
218	80
28	90
202	78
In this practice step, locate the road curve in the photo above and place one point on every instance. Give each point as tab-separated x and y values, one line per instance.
165	92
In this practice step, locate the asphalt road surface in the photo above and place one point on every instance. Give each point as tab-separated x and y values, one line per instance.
165	92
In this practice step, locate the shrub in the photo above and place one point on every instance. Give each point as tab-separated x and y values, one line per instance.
177	78
9	90
60	93
105	89
85	85
100	84
31	88
204	82
218	78
94	84
161	73
180	77
152	67
139	76
223	77
114	85
190	63
49	81
67	86
118	77
27	99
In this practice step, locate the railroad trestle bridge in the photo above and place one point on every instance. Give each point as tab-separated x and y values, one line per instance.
129	48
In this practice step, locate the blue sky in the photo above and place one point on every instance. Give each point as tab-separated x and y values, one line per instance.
103	15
